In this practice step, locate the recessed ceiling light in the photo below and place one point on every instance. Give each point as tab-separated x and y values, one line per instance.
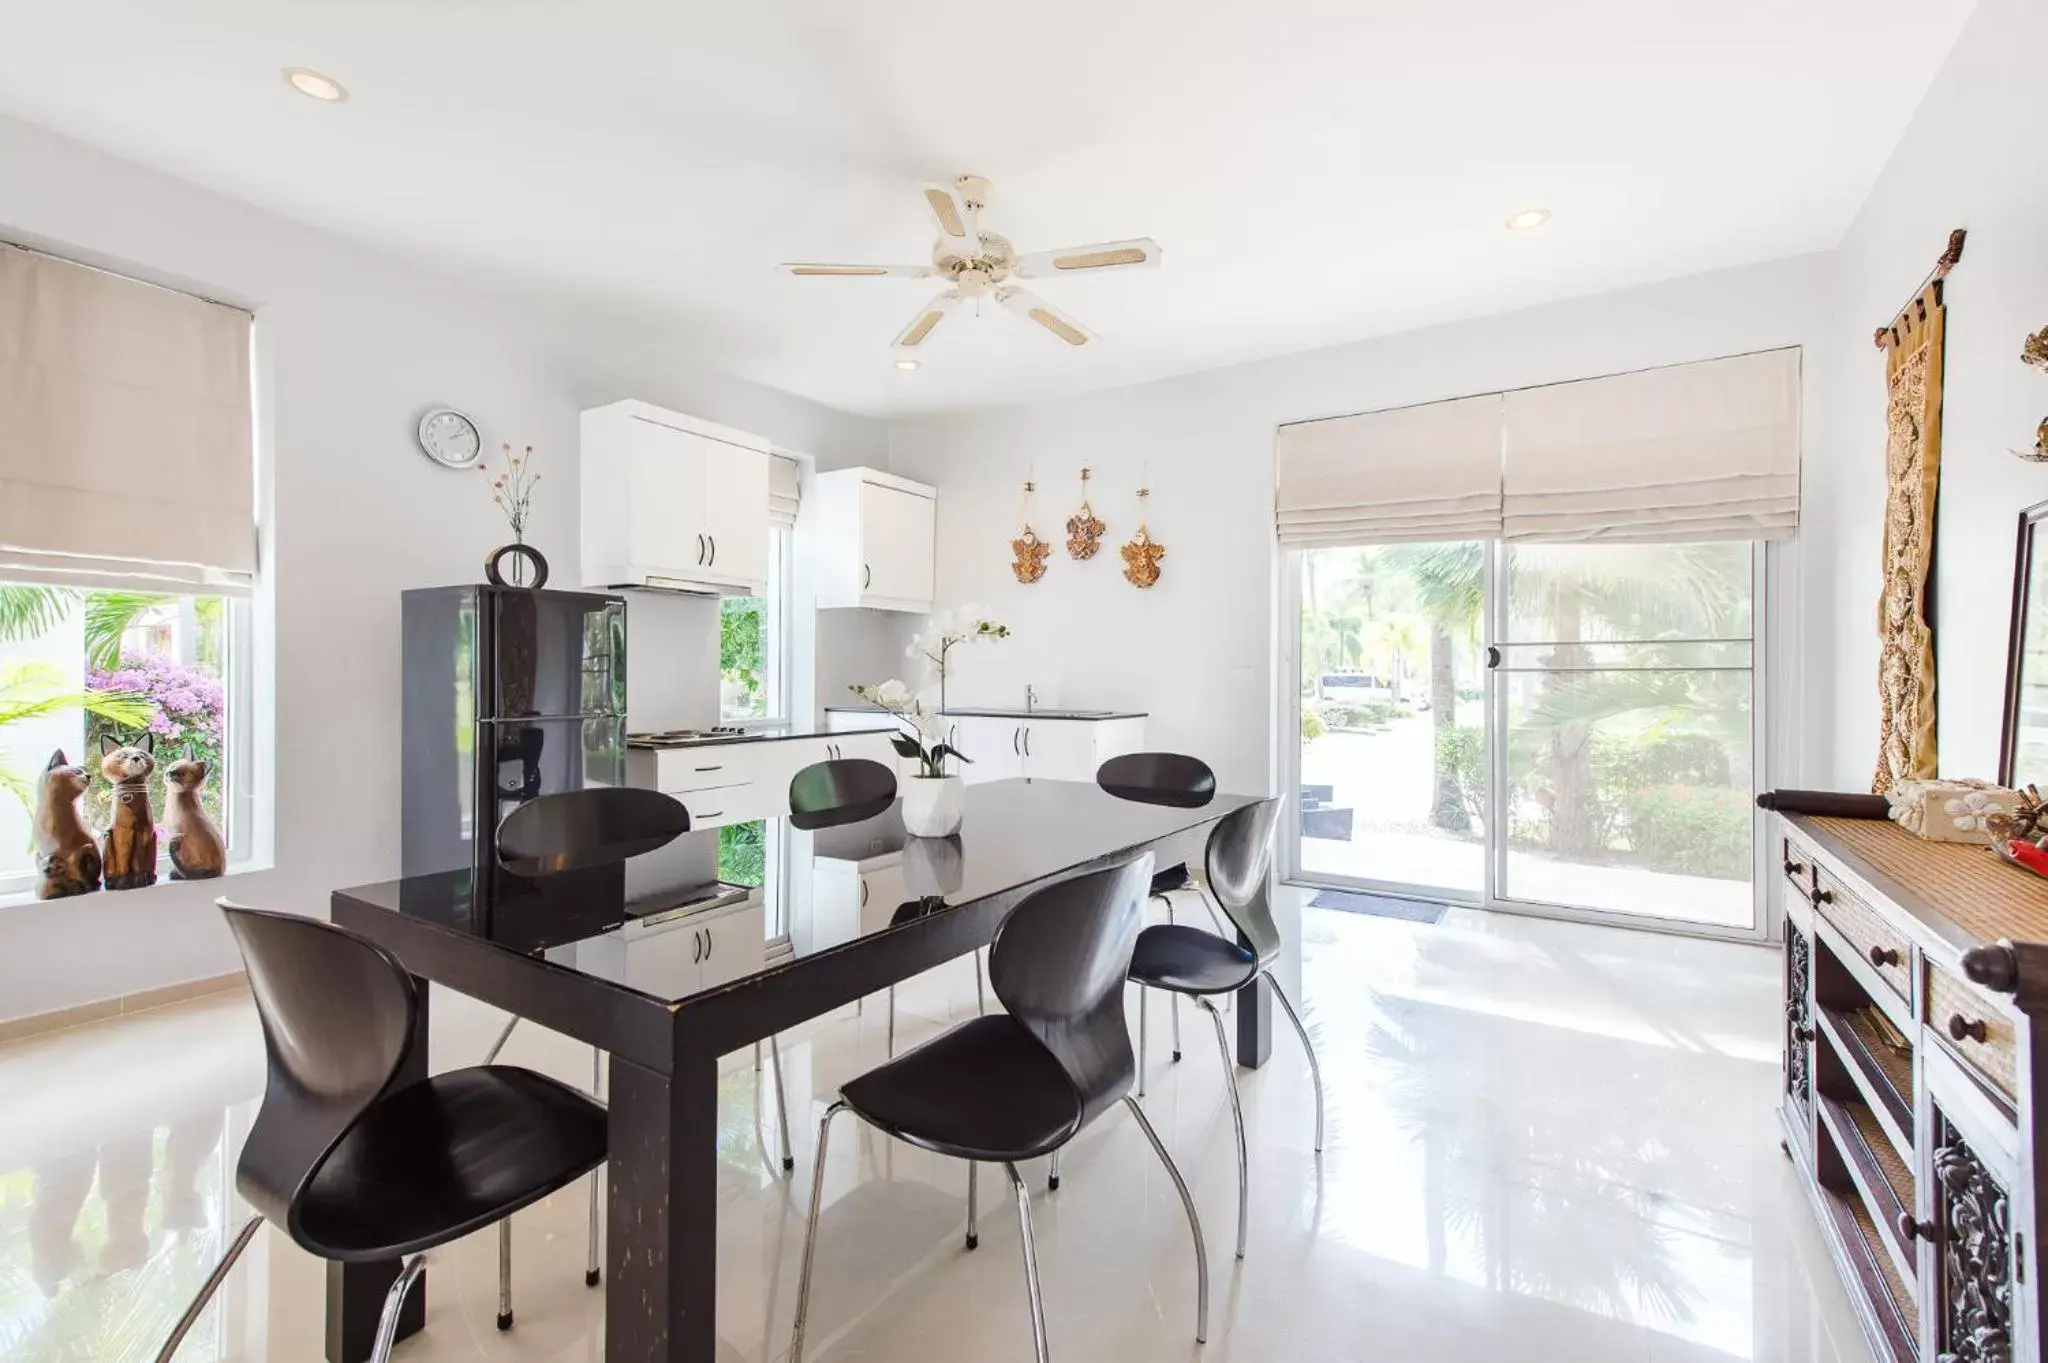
906	365
314	85
1528	220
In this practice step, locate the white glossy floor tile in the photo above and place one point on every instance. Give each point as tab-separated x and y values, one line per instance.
1545	1141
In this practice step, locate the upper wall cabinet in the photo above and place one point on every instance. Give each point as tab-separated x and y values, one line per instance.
875	536
673	502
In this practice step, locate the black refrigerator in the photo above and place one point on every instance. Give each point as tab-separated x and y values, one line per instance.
510	694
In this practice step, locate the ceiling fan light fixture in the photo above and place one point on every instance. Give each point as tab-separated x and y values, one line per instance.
313	85
908	366
1528	220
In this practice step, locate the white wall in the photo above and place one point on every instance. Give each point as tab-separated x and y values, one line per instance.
352	347
1974	156
1197	650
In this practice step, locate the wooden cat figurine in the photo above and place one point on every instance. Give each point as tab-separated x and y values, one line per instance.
196	847
128	847
67	862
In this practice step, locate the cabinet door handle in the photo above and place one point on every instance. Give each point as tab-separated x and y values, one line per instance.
714	813
863	892
696	947
1961	1028
1882	956
1016	737
709	943
720	767
1911	1230
700	550
867	576
1027	740
714	549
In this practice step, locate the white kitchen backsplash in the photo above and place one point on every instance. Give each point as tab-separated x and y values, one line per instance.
671	661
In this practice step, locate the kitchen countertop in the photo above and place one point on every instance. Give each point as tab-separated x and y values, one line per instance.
981	712
758	736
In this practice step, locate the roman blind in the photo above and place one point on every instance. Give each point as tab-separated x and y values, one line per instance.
1415	473
125	432
785	481
1691	452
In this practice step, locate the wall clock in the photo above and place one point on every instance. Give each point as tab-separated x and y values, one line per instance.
449	438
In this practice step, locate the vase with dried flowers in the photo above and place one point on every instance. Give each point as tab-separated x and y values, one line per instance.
512	493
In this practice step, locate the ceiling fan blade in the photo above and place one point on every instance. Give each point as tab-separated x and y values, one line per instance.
1108	255
928	316
1032	308
955	220
807	267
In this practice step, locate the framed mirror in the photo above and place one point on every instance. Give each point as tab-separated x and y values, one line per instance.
2023	749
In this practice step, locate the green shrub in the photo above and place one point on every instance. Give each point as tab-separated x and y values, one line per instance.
1690	830
1462	753
1360	716
1312	726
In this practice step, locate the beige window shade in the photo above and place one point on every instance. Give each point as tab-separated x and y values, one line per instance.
1416	473
784	483
125	432
1692	452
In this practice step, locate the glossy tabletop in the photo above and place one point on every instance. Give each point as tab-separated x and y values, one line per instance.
1015	835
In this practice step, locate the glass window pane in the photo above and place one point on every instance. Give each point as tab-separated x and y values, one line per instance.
1393	772
1627	591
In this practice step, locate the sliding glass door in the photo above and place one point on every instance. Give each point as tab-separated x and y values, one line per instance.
1566	728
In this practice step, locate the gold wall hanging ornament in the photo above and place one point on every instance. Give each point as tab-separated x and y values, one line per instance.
1141	555
1914	345
2034	350
1029	549
1084	529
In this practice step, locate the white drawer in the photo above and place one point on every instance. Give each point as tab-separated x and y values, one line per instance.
676	770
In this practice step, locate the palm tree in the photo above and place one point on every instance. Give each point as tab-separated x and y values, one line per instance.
1450	584
29	690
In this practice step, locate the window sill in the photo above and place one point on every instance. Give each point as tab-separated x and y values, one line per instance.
17	898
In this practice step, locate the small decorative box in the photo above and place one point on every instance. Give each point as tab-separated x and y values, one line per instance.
1950	811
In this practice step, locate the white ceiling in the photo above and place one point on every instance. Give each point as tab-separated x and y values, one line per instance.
1316	171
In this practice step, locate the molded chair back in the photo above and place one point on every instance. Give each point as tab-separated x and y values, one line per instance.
1240	864
846	790
1058	964
584	828
1159	778
339	1017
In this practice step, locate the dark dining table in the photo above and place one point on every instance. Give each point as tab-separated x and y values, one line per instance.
664	1037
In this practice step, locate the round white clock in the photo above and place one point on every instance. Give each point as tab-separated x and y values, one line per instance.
449	438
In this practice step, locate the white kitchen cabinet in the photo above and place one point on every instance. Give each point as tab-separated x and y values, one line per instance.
670	501
1005	746
682	955
875	535
735	944
722	783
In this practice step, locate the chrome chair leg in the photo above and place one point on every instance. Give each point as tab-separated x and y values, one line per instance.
1237	1117
892	1031
974	1204
1167	900
1144	1012
803	1282
980	998
491	1056
208	1288
782	1106
1315	1071
394	1303
1030	1261
590	1270
1187	1202
1052	1180
505	1274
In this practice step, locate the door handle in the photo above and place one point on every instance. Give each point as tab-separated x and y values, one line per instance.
700	551
1492	656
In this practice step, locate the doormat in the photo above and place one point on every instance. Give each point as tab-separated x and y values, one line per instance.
1379	906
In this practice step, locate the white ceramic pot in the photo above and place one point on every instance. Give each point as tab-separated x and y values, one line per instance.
932	806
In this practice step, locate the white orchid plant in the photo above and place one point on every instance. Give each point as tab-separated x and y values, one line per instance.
924	729
933	647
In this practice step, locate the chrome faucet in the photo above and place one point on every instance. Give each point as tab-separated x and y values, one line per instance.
1030	698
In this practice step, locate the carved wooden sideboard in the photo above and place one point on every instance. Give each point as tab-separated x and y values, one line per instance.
1916	984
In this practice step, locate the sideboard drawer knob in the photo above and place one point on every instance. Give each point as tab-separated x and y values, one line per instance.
1823	895
1911	1230
1967	1029
1884	956
1803	1034
1794	868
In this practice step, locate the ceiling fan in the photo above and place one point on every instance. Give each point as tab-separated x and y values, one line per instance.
981	263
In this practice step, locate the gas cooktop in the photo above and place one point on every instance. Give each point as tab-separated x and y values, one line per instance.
683	738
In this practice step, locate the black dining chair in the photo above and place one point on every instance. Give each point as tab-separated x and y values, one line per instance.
353	1170
1185	960
1022	1084
849	790
572	831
